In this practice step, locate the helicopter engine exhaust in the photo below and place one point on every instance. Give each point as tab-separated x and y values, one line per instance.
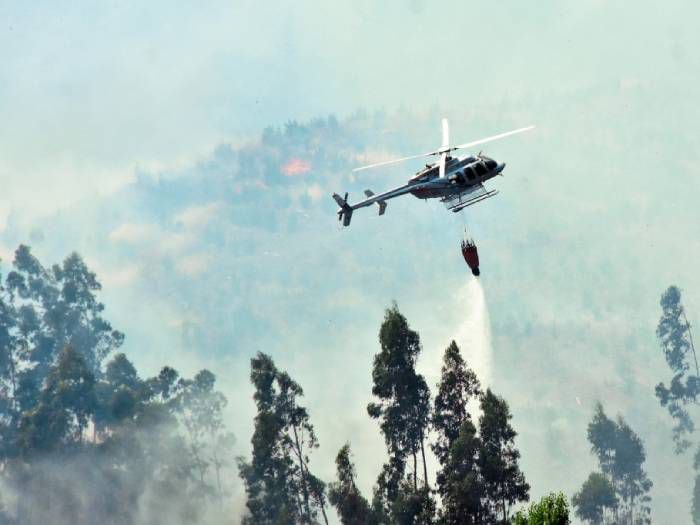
471	256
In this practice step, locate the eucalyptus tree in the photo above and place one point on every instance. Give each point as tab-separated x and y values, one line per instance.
279	484
352	507
83	439
402	406
676	340
595	499
461	485
458	387
621	458
504	482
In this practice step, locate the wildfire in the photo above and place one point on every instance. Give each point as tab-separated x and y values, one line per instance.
296	167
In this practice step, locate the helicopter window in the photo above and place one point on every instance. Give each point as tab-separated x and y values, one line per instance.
469	173
481	169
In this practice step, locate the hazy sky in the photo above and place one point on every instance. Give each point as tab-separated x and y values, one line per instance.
90	91
597	215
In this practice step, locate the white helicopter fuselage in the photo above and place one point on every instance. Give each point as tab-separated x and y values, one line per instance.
457	181
461	173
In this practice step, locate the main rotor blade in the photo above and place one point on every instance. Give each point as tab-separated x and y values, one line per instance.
445	149
490	139
394	161
443	160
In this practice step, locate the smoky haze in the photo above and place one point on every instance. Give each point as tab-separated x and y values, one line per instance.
144	151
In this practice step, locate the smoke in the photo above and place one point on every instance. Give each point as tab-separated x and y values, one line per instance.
144	480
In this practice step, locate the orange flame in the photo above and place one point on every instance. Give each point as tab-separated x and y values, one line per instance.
296	167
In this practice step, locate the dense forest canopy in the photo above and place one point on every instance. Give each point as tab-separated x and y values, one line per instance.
84	438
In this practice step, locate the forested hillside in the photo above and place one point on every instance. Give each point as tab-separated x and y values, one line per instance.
206	264
85	438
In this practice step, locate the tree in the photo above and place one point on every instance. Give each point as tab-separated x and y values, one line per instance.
139	462
412	506
301	438
267	476
458	386
504	483
200	410
462	487
457	445
602	435
596	497
676	339
621	458
42	312
279	484
65	406
550	510
352	507
633	482
403	405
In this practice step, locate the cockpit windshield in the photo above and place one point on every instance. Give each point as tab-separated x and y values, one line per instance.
490	163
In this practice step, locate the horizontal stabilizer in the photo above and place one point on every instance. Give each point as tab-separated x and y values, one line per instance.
382	204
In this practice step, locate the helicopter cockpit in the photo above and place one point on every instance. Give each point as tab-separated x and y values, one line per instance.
474	170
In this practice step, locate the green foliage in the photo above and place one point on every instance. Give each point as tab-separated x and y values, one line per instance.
412	506
457	445
403	406
65	406
621	457
550	510
279	484
504	483
343	494
458	386
82	441
675	337
462	487
596	497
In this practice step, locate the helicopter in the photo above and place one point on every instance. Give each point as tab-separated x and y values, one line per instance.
457	181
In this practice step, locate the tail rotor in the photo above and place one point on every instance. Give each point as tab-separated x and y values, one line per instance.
345	211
